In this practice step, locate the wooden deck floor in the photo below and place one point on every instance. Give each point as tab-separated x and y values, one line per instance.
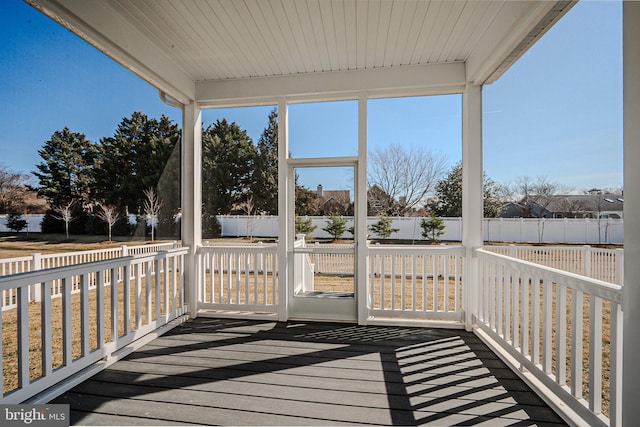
241	372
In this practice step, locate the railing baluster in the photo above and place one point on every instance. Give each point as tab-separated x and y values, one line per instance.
45	326
100	323
547	326
595	354
615	374
84	312
535	321
114	304
576	342
23	337
561	335
67	331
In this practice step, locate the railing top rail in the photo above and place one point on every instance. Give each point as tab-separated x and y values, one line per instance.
16	259
311	249
266	248
598	288
38	276
552	248
416	248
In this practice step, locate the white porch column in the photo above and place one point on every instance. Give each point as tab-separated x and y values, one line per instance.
285	219
191	198
472	209
361	212
631	290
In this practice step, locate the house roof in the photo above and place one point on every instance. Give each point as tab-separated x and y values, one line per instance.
230	52
586	203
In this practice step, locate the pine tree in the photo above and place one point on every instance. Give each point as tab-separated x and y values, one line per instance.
383	227
143	153
265	180
16	222
228	163
66	177
432	228
336	226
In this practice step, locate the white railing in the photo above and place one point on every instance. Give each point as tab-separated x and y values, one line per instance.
419	282
562	331
46	342
332	258
238	277
598	263
303	269
37	261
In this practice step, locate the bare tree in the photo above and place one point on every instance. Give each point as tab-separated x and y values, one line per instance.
151	206
407	174
248	208
13	190
108	214
64	212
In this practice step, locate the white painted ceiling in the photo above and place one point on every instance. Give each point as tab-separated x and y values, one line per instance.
205	50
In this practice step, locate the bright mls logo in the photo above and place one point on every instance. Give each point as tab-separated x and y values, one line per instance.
34	415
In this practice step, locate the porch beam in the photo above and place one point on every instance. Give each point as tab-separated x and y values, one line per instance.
429	79
631	288
94	21
191	199
472	205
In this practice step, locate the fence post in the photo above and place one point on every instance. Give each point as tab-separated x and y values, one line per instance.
124	250
36	289
512	251
586	260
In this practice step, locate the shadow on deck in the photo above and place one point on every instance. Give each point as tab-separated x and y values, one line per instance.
241	372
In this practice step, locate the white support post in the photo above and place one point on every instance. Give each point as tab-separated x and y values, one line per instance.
191	200
285	219
631	289
362	280
472	209
36	290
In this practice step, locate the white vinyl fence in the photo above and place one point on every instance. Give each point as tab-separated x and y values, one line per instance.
519	230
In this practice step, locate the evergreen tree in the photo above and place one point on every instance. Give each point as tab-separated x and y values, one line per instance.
383	227
66	172
16	222
66	176
448	195
304	226
336	226
432	228
265	180
228	162
143	153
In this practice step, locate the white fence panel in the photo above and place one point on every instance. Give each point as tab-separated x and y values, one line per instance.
521	230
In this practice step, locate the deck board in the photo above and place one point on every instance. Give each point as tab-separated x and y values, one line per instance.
237	372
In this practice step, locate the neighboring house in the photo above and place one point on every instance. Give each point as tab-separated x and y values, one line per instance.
568	206
332	201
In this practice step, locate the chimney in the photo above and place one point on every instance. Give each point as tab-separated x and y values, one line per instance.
319	192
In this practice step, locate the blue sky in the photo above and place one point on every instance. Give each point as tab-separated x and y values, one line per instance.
557	113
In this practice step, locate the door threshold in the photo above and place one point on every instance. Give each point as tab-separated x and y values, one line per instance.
325	294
